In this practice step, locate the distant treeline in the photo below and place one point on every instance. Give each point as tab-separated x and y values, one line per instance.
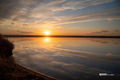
62	36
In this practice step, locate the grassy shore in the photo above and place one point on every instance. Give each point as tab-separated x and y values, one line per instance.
9	70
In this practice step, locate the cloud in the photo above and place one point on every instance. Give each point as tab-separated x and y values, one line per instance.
51	7
3	30
26	25
9	8
103	31
2	22
15	9
20	10
75	4
116	30
20	24
44	13
23	31
13	23
100	15
21	17
92	16
110	19
29	2
109	54
100	31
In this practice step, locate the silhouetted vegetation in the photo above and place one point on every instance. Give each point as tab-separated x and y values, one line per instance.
9	70
6	46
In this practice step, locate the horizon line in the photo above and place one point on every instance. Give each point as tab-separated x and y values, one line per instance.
62	36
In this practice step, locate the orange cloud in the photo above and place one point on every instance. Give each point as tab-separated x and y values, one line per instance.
108	54
20	24
26	25
23	31
110	19
100	31
13	23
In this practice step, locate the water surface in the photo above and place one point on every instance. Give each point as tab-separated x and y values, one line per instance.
69	58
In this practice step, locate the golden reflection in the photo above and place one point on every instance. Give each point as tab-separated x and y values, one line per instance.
46	39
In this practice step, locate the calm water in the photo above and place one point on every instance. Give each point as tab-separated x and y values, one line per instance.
69	58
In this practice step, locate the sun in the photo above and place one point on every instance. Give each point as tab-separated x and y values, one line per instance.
47	32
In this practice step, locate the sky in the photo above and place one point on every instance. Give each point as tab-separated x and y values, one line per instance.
60	17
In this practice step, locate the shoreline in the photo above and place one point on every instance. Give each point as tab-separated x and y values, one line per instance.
35	72
10	70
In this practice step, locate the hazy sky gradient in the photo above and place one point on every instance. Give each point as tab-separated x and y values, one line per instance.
60	17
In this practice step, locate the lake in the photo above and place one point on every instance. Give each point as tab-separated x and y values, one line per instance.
69	58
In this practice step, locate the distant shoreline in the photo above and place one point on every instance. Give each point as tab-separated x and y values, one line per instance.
62	36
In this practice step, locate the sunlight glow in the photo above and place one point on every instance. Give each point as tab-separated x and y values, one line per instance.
47	32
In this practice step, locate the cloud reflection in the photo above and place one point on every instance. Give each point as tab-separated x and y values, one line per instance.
42	62
104	41
51	61
63	63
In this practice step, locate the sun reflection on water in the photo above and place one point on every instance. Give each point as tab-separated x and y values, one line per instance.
46	39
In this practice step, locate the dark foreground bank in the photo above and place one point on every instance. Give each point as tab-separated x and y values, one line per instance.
9	70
